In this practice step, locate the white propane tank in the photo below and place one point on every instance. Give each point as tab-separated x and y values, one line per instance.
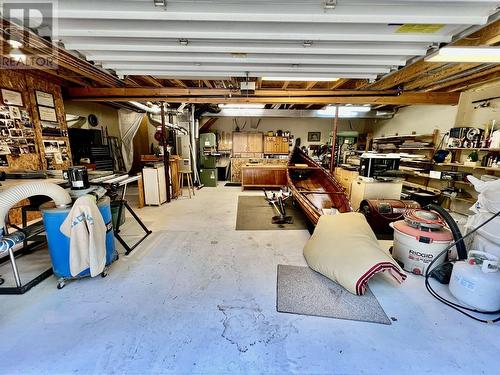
476	282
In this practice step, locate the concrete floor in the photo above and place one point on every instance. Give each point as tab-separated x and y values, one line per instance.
199	297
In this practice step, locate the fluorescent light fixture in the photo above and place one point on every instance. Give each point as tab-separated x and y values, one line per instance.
466	54
242	106
301	79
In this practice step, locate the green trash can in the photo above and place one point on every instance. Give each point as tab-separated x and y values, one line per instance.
115	206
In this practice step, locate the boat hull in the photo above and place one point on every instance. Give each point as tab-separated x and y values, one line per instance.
313	187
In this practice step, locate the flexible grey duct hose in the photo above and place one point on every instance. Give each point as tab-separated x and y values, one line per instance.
10	197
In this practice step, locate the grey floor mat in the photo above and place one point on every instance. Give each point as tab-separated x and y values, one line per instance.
303	291
254	213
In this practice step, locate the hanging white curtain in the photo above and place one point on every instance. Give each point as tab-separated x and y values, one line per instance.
128	123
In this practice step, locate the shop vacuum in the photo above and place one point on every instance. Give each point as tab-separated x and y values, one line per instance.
422	242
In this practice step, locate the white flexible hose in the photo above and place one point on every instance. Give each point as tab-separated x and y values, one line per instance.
13	195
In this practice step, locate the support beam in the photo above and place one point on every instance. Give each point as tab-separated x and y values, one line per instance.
217	30
402	99
285	85
471	83
103	92
336	84
437	75
110	57
486	36
467	12
205	128
143	45
485	75
63	58
310	85
152	81
208	83
178	82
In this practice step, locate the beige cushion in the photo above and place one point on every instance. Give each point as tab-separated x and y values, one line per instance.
344	248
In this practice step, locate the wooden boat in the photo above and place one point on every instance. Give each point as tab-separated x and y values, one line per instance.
313	187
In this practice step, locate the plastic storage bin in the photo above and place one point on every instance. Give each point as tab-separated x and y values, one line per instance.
58	243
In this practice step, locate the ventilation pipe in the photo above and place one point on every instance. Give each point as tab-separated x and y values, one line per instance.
192	132
13	195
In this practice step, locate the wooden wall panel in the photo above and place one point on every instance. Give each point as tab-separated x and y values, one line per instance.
26	83
15	80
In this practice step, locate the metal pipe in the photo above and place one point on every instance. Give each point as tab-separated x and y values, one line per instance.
166	155
15	271
334	138
193	145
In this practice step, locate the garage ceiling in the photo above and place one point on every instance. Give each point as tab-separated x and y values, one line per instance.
209	39
317	52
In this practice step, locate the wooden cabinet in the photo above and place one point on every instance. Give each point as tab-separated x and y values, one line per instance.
247	144
263	176
346	177
155	187
276	145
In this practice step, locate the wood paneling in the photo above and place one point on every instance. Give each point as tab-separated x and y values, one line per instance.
26	83
263	176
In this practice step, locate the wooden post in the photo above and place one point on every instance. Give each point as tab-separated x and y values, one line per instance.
334	139
140	185
166	155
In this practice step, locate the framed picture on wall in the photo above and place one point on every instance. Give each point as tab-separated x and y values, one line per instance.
44	99
314	136
10	97
47	114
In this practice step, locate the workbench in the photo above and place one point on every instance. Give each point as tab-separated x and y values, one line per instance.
263	176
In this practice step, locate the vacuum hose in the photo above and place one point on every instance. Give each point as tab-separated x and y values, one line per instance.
11	196
457	236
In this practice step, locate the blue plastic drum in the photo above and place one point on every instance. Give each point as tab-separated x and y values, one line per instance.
58	243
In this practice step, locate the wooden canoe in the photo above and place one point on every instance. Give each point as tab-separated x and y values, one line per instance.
313	187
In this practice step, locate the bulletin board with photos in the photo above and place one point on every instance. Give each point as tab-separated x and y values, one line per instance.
17	133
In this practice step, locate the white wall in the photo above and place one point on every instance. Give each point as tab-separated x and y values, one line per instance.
422	119
107	116
471	114
298	127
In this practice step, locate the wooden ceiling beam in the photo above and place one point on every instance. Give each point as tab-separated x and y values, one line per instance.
208	83
437	75
96	92
179	83
488	35
485	74
152	81
403	75
401	99
310	85
336	84
205	127
62	57
471	83
285	85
